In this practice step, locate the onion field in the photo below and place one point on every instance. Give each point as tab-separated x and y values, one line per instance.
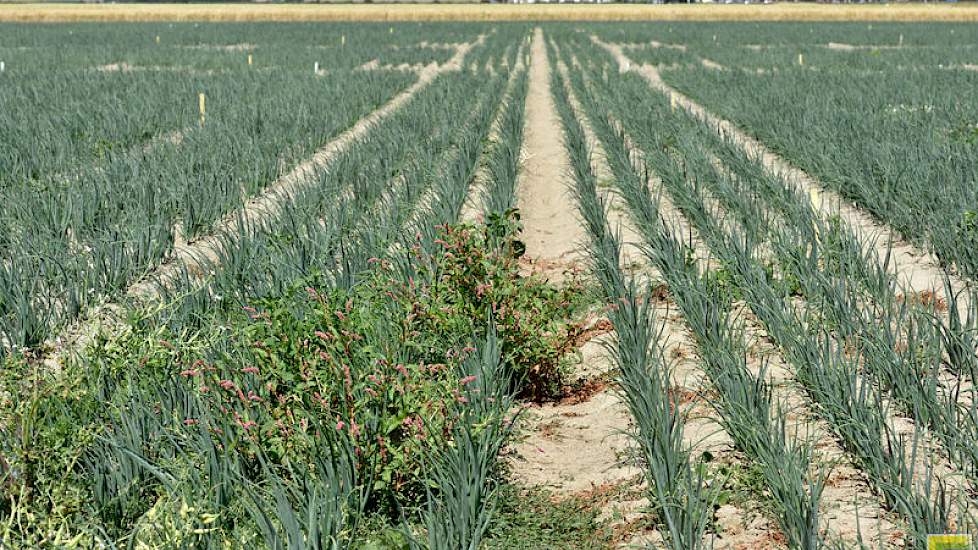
488	285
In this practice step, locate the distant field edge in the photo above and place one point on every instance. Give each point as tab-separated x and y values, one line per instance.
56	12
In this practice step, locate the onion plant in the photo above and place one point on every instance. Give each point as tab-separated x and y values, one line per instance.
829	376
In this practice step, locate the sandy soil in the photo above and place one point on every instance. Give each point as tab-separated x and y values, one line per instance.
578	446
842	47
710	64
654	44
575	446
847	490
124	67
223	47
472	209
632	255
375	65
552	232
740	524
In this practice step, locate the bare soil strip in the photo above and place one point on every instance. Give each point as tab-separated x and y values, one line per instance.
627	510
740	523
223	47
123	67
375	65
849	508
918	270
843	47
615	211
423	208
847	490
204	251
551	230
578	447
654	44
473	206
710	64
271	201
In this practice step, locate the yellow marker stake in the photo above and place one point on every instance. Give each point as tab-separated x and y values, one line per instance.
801	59
816	198
948	542
392	30
203	108
672	101
249	59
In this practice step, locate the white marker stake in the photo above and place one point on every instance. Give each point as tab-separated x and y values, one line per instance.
3	67
714	38
249	59
203	108
801	59
315	68
901	40
157	39
672	101
392	30
343	40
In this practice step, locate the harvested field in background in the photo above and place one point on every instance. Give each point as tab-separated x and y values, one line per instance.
481	12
